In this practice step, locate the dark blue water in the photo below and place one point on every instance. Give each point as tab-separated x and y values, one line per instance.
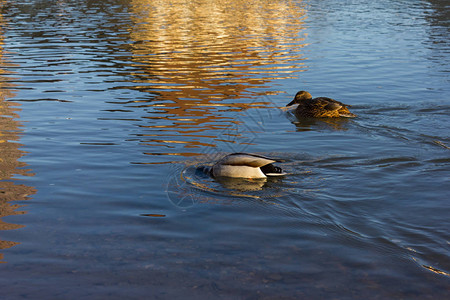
108	107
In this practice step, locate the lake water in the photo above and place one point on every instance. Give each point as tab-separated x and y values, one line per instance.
107	108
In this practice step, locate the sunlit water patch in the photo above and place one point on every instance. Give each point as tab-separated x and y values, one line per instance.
197	66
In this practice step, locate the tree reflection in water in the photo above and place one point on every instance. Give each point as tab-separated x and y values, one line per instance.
10	154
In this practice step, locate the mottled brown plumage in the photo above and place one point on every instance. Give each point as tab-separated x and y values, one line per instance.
321	107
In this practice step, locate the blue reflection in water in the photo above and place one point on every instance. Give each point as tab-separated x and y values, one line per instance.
121	100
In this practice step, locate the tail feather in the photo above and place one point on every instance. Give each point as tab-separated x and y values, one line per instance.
272	170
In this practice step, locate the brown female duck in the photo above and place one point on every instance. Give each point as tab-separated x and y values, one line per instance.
321	107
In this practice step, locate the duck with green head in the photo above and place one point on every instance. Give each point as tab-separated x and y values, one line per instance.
320	107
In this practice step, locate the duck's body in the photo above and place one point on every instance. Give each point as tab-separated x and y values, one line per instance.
321	107
244	165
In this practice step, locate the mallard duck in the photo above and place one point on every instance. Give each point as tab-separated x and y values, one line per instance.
244	165
321	107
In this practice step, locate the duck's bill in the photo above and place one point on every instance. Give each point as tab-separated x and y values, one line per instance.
291	103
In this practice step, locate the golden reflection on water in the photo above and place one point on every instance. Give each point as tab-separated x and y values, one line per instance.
202	62
10	129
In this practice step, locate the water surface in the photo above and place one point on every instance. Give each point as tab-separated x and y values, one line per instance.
108	107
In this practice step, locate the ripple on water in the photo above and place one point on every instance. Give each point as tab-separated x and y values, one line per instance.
336	197
190	185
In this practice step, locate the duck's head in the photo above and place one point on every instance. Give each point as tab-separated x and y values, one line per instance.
300	97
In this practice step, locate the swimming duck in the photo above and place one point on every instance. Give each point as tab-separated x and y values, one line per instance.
245	165
321	107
